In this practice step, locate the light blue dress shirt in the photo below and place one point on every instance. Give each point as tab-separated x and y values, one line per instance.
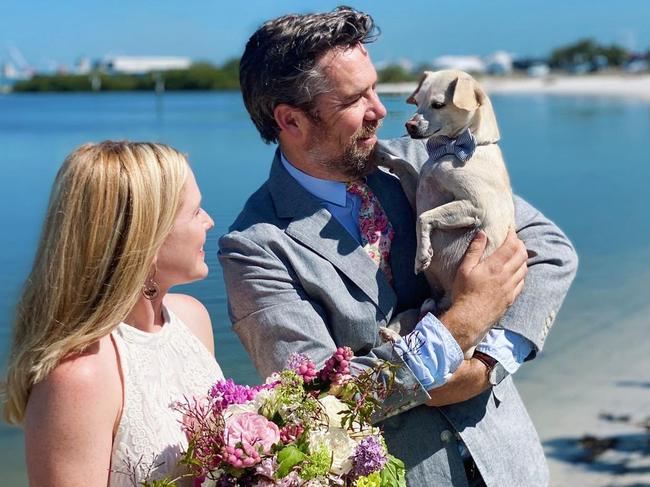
430	351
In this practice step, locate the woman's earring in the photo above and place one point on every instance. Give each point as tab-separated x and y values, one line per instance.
150	288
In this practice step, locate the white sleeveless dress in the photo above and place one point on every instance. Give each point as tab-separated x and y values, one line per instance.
158	369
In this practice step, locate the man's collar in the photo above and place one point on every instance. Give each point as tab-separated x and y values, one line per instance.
324	189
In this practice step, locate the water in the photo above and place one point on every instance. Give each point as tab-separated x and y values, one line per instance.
581	161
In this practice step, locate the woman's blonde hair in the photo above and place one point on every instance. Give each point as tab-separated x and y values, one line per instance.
111	207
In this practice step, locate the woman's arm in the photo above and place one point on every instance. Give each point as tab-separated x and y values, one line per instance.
70	419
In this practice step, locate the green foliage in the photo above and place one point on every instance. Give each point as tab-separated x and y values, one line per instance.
588	51
54	83
199	76
317	463
288	458
204	76
365	395
394	473
395	73
372	480
159	483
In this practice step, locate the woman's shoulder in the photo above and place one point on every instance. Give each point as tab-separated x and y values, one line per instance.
195	316
93	373
71	416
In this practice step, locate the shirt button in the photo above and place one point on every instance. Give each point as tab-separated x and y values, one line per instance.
446	436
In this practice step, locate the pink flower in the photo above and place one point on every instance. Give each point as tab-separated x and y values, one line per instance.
251	429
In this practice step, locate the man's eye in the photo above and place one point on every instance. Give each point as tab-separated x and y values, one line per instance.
436	105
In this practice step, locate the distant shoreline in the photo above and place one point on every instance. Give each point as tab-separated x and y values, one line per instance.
600	85
611	85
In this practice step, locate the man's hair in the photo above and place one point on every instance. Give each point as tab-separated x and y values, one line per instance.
279	62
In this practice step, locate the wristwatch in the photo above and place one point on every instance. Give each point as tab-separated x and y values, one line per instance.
496	372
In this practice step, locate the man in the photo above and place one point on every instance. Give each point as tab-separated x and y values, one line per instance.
302	274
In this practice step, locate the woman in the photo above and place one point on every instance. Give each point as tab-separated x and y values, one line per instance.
100	349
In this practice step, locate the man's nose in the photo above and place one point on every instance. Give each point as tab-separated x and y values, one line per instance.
376	108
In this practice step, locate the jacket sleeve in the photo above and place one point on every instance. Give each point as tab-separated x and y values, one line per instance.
274	317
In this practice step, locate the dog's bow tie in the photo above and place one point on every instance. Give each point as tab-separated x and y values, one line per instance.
462	146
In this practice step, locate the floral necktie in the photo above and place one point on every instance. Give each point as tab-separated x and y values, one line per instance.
376	231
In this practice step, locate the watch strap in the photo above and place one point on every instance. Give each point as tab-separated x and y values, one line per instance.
489	361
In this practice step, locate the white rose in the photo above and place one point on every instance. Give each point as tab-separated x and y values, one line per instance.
233	409
339	444
334	407
263	396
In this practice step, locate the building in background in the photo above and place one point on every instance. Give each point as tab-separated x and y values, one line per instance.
142	64
499	63
470	64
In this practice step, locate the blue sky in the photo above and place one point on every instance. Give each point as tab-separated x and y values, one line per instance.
48	32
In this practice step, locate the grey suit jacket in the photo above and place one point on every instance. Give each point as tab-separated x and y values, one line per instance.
298	282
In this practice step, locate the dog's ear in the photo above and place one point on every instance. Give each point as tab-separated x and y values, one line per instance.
465	96
411	99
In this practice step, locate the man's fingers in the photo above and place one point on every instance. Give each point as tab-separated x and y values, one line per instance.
517	290
519	274
507	249
474	251
516	283
511	256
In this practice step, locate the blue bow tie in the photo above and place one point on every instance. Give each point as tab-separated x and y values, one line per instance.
462	146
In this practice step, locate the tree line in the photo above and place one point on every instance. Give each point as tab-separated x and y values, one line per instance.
206	76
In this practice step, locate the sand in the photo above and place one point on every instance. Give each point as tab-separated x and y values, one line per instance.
610	85
599	388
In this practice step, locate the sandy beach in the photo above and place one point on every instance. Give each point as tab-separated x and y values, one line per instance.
594	390
610	85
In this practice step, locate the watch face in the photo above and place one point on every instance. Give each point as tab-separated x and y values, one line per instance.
497	374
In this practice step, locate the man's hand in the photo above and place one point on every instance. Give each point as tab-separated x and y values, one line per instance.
483	290
469	380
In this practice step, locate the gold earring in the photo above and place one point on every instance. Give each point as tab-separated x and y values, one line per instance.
150	288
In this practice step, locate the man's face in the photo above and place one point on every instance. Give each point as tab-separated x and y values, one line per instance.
343	136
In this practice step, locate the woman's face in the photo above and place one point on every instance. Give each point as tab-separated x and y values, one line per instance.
181	258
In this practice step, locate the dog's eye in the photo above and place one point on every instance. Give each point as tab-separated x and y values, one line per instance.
436	105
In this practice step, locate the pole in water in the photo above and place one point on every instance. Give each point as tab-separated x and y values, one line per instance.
159	83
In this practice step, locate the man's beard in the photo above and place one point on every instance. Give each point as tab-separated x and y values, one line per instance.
354	161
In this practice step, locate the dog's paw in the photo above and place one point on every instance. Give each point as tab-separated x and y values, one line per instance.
423	260
388	335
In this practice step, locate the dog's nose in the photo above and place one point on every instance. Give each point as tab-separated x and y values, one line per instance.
411	127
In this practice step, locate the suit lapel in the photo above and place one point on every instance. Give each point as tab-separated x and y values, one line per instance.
315	227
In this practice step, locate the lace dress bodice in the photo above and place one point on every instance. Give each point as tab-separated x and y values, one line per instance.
158	369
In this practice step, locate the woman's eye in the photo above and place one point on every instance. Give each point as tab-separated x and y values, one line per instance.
436	105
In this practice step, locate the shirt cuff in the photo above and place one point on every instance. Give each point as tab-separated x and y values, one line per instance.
510	349
431	352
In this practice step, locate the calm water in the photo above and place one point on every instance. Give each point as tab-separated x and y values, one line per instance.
582	161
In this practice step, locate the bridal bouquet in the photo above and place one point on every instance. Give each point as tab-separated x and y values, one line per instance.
303	427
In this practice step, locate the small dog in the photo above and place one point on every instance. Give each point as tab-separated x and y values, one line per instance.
464	186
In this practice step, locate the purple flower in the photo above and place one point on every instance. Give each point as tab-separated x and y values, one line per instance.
369	456
226	392
267	467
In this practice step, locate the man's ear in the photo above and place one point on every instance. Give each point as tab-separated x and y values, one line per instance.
465	94
291	120
411	99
